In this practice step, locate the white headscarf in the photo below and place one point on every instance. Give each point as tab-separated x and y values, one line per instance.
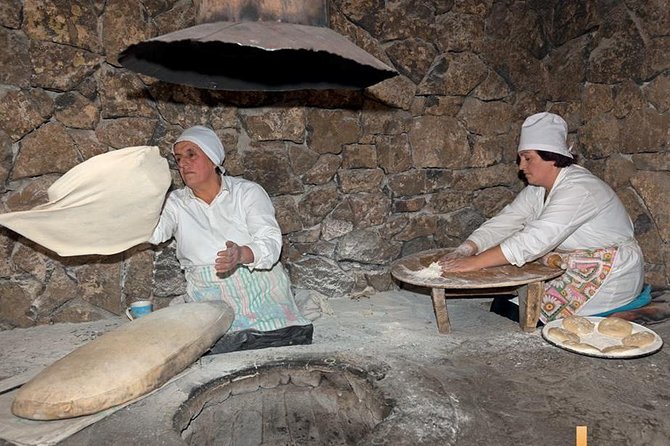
206	139
545	131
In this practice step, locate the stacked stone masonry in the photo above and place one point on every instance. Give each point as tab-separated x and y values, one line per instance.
358	178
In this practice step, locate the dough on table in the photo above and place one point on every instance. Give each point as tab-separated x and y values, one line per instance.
433	270
641	339
582	347
562	335
105	205
578	325
615	327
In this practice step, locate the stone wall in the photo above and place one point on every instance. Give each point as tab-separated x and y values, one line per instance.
358	178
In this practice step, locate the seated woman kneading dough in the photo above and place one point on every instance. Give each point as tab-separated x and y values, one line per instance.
564	208
228	244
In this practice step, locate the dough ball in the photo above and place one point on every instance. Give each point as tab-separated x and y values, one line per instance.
618	349
582	347
615	327
641	339
561	335
578	325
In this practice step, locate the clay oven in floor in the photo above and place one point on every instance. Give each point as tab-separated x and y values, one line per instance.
287	402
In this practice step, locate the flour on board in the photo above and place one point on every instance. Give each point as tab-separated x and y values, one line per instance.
433	270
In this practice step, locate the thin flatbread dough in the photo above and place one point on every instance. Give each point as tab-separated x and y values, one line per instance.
578	325
562	335
615	327
125	363
582	347
640	339
105	205
618	349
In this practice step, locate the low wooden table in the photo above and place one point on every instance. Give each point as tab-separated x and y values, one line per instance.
527	280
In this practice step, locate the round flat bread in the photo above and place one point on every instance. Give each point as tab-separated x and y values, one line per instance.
578	325
615	327
618	349
641	339
582	347
562	335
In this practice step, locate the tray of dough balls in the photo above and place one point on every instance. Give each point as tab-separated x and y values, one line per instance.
603	337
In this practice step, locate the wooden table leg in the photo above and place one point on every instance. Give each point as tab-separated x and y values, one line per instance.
530	300
440	308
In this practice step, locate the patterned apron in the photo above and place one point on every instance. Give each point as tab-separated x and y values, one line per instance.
586	272
262	299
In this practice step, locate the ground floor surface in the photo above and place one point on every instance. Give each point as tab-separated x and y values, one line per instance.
486	382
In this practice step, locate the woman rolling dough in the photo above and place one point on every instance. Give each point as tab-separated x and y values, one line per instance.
564	209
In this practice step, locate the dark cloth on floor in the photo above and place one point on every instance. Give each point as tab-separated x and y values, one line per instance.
254	339
503	306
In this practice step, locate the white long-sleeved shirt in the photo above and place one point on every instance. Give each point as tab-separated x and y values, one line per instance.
581	211
242	212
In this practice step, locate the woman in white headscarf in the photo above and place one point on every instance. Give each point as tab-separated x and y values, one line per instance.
228	243
564	209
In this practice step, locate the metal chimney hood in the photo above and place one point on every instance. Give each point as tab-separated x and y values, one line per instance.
257	45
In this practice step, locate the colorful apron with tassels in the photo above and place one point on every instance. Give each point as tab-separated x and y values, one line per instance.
586	272
262	299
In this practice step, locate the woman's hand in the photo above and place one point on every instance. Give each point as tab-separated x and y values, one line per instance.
232	256
456	259
555	260
229	258
459	264
465	249
491	257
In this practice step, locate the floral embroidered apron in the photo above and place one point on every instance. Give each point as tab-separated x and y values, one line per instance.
586	272
262	299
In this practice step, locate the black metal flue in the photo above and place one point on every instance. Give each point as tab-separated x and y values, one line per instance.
251	47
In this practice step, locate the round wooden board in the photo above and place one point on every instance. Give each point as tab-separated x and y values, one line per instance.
406	270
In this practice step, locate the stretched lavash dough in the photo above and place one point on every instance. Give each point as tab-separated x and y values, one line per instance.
125	363
105	205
